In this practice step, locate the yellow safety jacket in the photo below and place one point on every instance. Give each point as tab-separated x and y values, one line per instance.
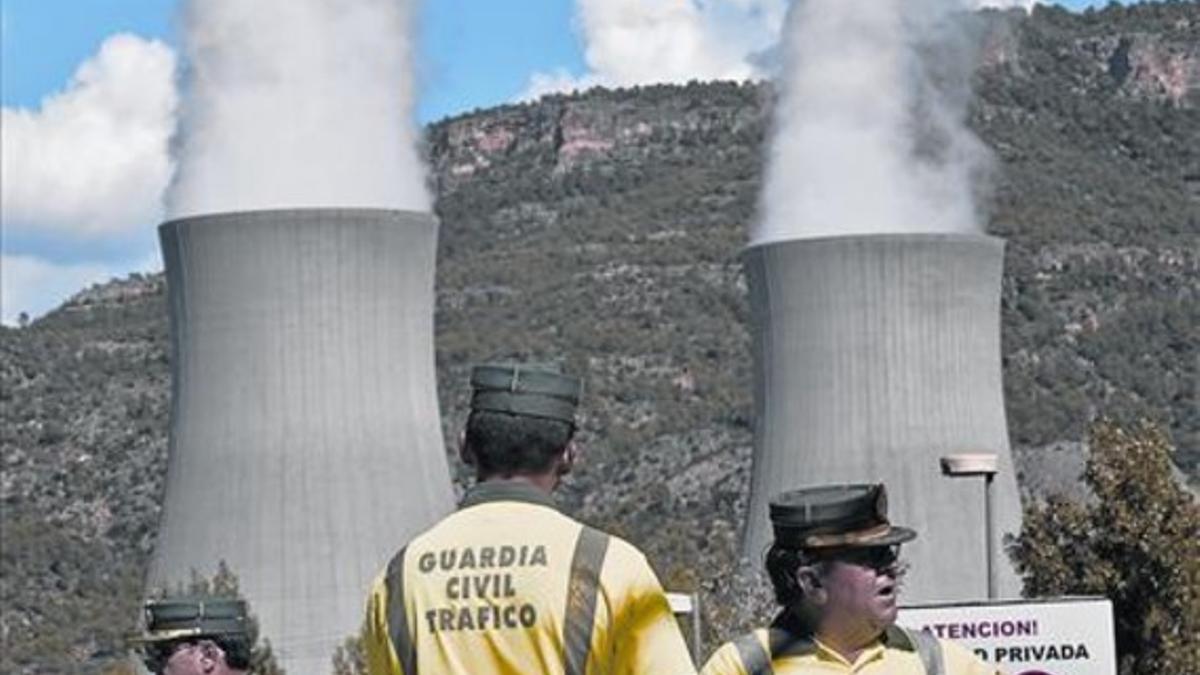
898	652
509	585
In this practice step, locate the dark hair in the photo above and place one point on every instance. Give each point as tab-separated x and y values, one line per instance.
155	655
782	563
504	443
237	649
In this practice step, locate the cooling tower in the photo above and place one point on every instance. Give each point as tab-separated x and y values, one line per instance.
875	356
305	439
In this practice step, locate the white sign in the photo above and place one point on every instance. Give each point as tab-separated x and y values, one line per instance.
1064	636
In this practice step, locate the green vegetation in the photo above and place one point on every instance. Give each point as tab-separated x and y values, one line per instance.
350	657
1137	542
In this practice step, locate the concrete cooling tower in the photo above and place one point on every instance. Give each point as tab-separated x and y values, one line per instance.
874	357
305	439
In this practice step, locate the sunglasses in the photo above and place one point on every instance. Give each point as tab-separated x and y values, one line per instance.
873	557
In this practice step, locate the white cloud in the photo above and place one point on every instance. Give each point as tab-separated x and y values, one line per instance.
34	286
83	176
93	159
1005	4
558	81
631	42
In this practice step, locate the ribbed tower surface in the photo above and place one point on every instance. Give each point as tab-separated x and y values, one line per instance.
305	438
875	356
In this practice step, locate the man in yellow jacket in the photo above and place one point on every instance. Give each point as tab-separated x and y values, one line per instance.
508	584
835	568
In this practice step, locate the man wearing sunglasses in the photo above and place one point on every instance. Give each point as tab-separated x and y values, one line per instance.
196	636
836	571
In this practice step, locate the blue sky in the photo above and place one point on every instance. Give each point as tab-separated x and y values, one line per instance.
67	85
474	53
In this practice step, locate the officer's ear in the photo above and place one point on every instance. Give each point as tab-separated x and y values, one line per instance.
811	582
570	455
464	451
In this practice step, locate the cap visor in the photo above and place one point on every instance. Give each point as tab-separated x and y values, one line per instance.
167	635
893	535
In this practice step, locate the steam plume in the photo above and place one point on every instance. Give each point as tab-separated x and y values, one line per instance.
296	104
869	130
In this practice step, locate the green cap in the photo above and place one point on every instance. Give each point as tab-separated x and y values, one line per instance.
187	617
532	391
831	516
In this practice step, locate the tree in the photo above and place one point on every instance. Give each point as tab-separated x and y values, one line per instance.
1137	541
350	658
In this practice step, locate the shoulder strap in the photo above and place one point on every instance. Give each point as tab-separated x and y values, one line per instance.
928	648
759	661
583	588
397	616
755	659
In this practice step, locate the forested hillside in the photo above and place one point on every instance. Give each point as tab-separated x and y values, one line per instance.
604	230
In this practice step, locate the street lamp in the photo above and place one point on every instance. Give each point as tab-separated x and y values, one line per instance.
978	464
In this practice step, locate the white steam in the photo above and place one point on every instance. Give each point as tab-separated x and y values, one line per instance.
869	132
297	104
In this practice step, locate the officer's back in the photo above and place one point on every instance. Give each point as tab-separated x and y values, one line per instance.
508	584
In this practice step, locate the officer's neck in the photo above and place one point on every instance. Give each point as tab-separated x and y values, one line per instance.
849	642
546	482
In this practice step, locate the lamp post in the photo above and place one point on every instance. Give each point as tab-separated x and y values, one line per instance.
979	464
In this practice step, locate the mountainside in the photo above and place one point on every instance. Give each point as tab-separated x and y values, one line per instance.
604	230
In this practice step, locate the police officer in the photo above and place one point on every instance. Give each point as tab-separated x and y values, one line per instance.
508	584
835	568
196	635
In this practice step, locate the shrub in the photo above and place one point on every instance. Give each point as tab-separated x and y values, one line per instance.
1136	542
